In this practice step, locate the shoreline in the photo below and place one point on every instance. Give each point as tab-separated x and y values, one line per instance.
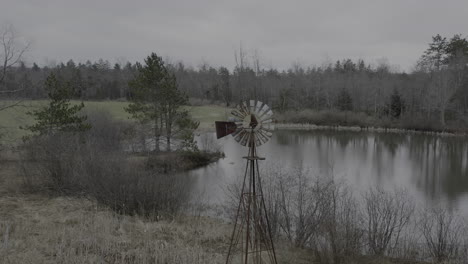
309	127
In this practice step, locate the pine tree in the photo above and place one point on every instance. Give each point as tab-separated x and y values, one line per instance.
156	99
60	115
344	101
396	104
145	94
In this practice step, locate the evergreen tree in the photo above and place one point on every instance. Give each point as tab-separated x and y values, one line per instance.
396	104
435	55
156	99
59	115
145	96
225	85
456	47
35	67
344	101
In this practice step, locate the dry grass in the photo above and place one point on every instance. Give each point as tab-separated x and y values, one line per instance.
35	229
63	230
40	229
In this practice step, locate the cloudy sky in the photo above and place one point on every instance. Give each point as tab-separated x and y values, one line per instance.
282	32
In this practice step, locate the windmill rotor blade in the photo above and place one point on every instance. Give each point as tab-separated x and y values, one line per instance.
266	133
268	127
263	109
238	130
266	120
245	139
262	137
240	135
253	106
246	108
257	107
237	114
266	114
258	141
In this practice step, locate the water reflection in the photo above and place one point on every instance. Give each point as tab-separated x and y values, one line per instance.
440	165
432	168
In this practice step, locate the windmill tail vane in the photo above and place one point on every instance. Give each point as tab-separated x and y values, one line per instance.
251	239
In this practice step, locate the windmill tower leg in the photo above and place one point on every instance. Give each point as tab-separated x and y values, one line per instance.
252	234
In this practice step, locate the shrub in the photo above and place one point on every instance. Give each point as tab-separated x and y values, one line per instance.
327	118
341	230
94	164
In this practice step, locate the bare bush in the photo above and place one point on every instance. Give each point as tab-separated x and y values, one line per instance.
93	163
295	202
323	214
302	203
341	231
442	231
386	214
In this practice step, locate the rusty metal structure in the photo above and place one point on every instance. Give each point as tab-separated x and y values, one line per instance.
251	239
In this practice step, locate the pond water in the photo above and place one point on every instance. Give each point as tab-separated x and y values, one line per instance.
433	169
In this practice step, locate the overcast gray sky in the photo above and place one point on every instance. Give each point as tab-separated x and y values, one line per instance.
283	32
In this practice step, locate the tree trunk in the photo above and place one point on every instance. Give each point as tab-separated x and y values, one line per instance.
442	116
156	135
168	139
168	121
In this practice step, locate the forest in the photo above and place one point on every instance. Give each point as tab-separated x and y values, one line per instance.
432	96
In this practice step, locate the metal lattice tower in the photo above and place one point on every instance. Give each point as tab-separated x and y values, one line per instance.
251	239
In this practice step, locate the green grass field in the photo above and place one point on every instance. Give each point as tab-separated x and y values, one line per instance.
13	118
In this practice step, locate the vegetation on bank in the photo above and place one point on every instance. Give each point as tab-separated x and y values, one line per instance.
363	121
171	162
65	144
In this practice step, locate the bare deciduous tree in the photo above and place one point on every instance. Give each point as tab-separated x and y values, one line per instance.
11	53
446	81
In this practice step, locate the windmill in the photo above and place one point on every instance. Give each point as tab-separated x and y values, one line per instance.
251	238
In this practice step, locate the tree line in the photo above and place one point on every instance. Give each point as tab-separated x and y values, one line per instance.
156	103
436	89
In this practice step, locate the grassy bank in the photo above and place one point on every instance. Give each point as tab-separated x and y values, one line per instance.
13	118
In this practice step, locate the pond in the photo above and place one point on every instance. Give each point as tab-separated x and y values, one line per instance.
432	168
